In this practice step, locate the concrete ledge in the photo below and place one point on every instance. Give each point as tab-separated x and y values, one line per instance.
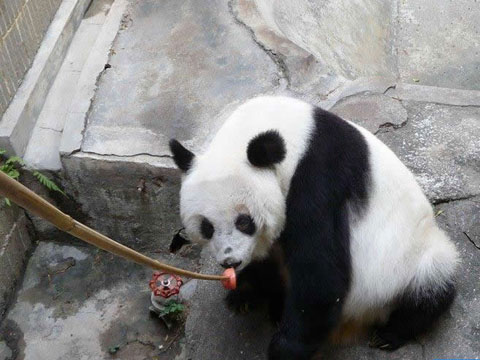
432	94
42	151
20	117
373	84
104	185
402	91
14	244
75	121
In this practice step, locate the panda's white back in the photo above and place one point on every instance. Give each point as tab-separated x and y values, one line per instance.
396	243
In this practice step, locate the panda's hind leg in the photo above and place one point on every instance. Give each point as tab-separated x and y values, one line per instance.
413	314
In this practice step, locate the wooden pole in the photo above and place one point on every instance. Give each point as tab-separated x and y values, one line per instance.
37	205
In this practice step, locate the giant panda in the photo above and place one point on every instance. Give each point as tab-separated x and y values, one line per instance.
321	220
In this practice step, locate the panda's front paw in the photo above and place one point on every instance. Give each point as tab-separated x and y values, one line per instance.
385	340
282	348
240	302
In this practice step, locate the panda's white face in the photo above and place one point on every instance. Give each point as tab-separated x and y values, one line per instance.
237	216
233	196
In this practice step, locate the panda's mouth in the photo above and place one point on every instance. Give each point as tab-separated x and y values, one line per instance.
231	264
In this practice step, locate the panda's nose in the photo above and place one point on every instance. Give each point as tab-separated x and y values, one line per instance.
230	263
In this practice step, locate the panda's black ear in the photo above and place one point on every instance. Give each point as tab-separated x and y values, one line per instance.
266	149
182	157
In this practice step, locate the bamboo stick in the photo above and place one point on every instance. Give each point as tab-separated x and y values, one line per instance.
37	205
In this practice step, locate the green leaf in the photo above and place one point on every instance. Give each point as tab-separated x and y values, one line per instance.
15	160
2	151
13	173
172	307
7	201
45	181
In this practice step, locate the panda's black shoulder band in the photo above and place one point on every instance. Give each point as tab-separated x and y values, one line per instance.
266	149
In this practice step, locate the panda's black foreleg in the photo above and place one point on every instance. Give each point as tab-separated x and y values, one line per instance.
414	314
260	282
244	297
312	309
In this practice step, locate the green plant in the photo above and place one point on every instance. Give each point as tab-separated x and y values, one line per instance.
13	165
45	181
172	308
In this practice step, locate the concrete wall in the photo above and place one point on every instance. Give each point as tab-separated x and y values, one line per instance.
108	190
352	38
23	24
14	244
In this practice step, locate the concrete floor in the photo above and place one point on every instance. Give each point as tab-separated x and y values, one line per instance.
77	302
177	68
183	62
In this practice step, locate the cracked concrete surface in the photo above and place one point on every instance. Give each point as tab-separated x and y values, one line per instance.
439	143
177	40
405	70
278	59
148	94
375	112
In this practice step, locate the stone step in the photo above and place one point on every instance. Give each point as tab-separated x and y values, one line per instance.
43	148
18	121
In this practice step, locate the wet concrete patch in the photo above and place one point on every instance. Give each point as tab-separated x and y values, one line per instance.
11	341
5	351
80	303
135	333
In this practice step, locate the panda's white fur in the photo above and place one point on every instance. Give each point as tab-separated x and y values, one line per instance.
395	242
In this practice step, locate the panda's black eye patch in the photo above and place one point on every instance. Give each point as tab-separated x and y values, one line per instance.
245	224
206	229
